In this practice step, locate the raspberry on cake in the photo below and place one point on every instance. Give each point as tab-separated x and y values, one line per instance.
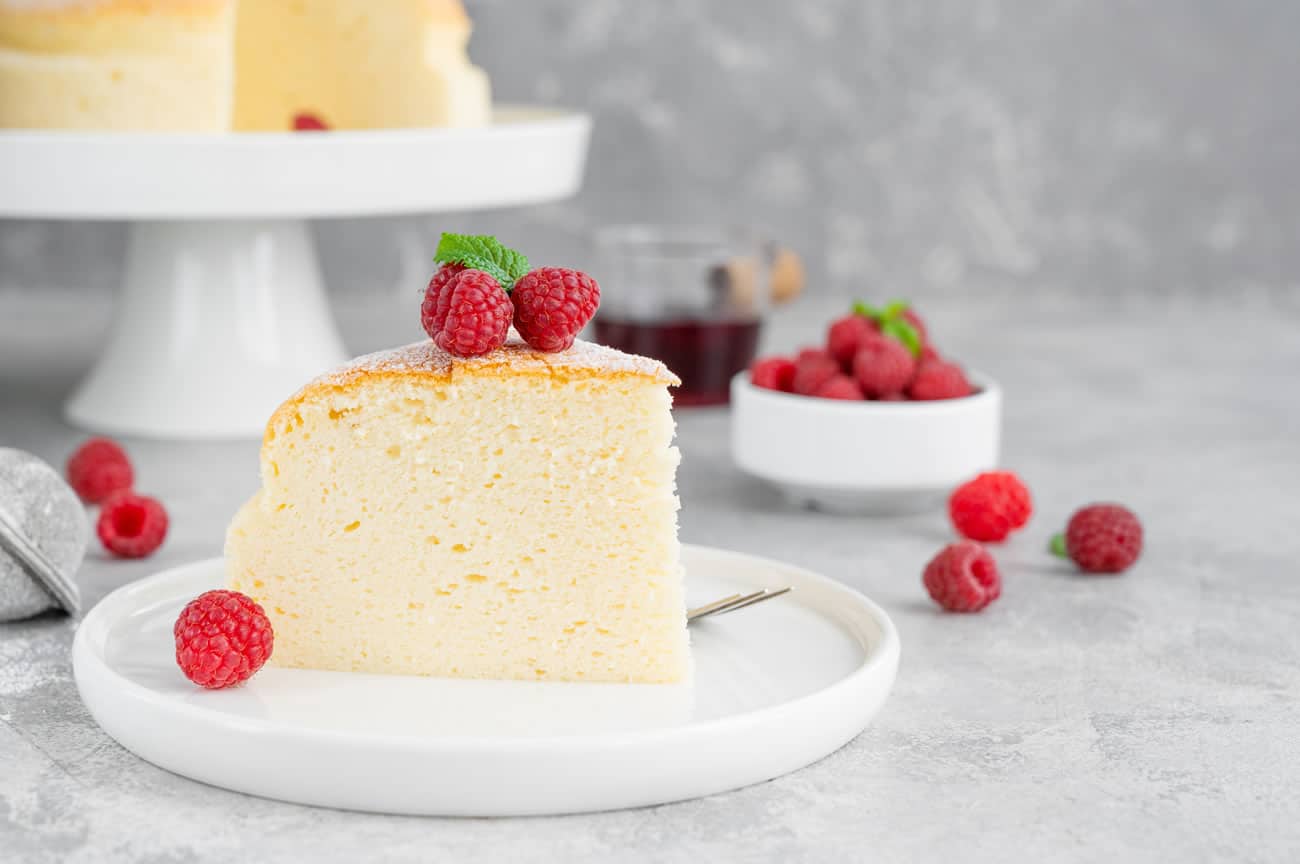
511	515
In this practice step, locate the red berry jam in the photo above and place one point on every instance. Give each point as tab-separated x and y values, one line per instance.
704	354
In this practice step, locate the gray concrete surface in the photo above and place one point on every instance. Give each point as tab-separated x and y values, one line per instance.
1150	717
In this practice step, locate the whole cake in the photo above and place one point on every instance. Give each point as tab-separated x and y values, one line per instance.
213	65
511	515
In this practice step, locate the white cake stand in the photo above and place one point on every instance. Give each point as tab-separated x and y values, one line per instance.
223	313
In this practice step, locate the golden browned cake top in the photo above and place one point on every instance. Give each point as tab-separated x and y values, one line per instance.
110	27
425	360
153	7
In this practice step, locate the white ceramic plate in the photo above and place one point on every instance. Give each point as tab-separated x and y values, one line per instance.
777	687
525	155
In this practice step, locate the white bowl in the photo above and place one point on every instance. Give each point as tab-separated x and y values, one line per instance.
873	457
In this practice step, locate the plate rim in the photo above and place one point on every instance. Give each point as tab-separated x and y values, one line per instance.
881	658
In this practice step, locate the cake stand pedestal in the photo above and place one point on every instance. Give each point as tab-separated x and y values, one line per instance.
217	323
223	313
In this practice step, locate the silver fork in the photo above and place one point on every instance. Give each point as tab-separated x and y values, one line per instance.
732	603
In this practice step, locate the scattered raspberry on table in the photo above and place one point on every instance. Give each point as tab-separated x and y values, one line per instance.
222	638
1101	538
131	526
963	577
990	506
98	469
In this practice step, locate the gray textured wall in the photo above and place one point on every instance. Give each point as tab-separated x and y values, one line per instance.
923	148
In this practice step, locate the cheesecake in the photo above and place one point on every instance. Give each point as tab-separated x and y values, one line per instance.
511	515
117	65
357	64
217	65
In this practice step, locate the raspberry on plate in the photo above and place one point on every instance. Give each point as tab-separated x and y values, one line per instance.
846	335
939	379
773	373
963	577
839	386
883	366
990	506
552	304
222	638
1101	538
131	526
99	468
470	313
813	368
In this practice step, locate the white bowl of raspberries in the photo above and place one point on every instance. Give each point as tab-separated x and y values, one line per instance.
876	420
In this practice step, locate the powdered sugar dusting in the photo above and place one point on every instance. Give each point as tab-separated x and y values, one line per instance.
426	358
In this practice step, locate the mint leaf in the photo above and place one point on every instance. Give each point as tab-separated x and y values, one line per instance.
894	309
903	332
866	310
892	323
482	252
1058	546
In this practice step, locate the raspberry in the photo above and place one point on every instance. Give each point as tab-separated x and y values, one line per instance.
1102	538
963	577
308	122
883	366
846	336
812	369
552	304
807	354
222	638
99	468
773	373
839	386
432	315
939	379
469	314
131	526
990	507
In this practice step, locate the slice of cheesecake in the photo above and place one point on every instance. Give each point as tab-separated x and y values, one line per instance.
357	64
506	516
145	65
